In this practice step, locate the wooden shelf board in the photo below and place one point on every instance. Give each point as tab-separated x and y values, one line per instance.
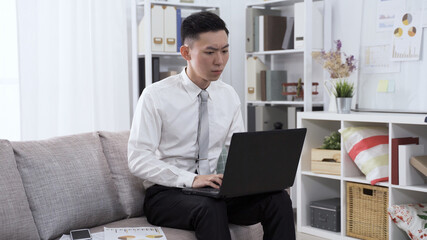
277	52
367	117
362	179
181	5
320	232
273	3
289	103
329	176
161	54
418	188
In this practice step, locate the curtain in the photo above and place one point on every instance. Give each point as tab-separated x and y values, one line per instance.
74	66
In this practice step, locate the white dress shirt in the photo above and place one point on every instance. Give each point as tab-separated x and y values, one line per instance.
163	139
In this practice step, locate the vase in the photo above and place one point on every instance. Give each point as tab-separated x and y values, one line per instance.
329	86
344	104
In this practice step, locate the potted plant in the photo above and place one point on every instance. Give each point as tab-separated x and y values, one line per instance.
327	158
332	61
343	91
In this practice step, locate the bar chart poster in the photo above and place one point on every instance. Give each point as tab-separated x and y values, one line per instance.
406	39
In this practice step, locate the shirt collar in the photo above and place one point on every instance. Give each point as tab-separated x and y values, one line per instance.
192	89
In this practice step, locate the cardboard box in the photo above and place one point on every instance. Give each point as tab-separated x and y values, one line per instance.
326	161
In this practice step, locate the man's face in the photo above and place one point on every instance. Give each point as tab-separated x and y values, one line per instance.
208	56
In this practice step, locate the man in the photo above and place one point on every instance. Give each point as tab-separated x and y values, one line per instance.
166	149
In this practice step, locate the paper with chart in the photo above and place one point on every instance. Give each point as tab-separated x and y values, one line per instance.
136	233
406	39
376	59
386	12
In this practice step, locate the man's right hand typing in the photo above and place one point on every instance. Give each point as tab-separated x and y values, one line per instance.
211	180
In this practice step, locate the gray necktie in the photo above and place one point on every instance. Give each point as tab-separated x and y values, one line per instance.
203	134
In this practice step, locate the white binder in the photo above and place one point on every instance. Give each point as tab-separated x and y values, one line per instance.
317	25
254	68
170	29
157	28
141	37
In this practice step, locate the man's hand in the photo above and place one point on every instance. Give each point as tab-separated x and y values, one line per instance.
212	180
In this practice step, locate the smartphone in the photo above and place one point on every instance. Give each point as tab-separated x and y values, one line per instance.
80	234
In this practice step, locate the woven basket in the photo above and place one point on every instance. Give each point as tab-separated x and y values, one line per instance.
367	211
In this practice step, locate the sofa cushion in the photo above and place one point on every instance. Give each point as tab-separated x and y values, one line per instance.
253	232
130	188
68	183
15	215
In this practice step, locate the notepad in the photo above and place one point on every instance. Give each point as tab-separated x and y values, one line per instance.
134	233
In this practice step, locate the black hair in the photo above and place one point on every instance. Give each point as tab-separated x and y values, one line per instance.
201	22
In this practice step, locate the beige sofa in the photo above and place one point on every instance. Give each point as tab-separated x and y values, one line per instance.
50	187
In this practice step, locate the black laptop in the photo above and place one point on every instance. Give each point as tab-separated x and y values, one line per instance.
258	162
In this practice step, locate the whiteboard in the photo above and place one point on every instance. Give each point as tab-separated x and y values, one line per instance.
385	85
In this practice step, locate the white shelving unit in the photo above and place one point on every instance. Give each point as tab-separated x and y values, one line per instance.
172	59
297	62
313	187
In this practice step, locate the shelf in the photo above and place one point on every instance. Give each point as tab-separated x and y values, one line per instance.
362	179
171	54
309	173
318	124
289	103
181	5
369	117
274	3
277	52
320	232
418	188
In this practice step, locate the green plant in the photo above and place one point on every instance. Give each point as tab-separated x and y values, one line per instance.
343	89
332	141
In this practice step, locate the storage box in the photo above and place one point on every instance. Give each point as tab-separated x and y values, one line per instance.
326	214
367	211
326	161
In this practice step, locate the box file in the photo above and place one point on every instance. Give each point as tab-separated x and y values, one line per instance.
170	28
157	28
254	68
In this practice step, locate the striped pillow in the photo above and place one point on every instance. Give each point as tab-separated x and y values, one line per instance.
368	148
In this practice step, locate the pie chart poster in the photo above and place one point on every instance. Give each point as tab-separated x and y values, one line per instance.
406	39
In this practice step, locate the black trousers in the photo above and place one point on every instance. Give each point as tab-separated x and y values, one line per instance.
209	217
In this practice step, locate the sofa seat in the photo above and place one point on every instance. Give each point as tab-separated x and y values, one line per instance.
237	232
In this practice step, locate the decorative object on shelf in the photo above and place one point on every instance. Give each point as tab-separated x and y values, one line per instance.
367	211
411	218
278	126
368	148
343	92
327	159
296	90
395	142
332	62
332	141
326	214
408	175
420	163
